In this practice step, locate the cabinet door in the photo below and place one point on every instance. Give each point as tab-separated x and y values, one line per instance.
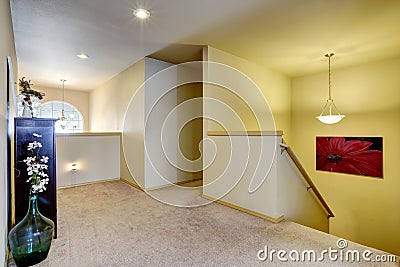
24	129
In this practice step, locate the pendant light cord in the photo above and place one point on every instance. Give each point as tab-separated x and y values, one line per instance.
331	118
329	73
63	81
63	99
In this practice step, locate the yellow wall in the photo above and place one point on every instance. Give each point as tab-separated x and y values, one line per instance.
7	48
274	86
192	133
109	101
367	209
79	99
108	104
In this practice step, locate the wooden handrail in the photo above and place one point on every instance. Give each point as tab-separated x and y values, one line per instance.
310	183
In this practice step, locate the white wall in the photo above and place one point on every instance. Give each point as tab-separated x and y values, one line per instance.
132	145
97	157
7	48
239	160
159	101
123	103
169	106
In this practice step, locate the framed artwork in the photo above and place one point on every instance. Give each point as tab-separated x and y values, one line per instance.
351	155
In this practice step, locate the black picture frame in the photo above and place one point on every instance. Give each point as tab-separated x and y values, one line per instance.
352	155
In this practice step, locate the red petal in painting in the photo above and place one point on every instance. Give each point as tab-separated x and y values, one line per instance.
345	167
352	156
323	164
354	146
337	145
323	146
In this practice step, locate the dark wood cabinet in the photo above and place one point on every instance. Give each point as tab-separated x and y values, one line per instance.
24	129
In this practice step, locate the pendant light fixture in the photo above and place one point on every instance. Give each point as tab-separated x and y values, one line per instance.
332	114
62	118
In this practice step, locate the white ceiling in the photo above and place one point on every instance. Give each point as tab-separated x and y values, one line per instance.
290	36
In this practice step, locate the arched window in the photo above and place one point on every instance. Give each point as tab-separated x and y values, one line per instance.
74	119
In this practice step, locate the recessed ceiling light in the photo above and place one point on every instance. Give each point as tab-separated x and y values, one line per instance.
141	13
82	55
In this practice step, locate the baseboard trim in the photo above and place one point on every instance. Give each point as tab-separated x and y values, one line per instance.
88	183
188	181
251	212
158	187
172	184
131	184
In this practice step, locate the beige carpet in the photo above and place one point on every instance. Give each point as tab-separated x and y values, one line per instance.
114	224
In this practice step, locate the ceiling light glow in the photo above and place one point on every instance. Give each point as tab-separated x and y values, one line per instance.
82	55
141	13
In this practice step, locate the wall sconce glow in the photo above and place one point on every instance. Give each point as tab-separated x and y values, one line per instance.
74	167
141	13
82	56
333	116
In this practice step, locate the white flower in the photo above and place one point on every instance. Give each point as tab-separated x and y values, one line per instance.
30	146
35	144
44	159
28	160
42	174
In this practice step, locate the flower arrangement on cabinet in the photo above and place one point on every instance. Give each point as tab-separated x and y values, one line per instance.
26	88
29	99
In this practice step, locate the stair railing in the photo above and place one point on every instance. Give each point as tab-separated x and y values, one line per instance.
307	178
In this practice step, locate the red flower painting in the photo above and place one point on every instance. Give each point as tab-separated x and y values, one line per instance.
349	155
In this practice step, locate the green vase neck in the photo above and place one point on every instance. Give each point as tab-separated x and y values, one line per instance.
33	204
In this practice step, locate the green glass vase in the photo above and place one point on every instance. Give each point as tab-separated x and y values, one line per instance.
31	238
